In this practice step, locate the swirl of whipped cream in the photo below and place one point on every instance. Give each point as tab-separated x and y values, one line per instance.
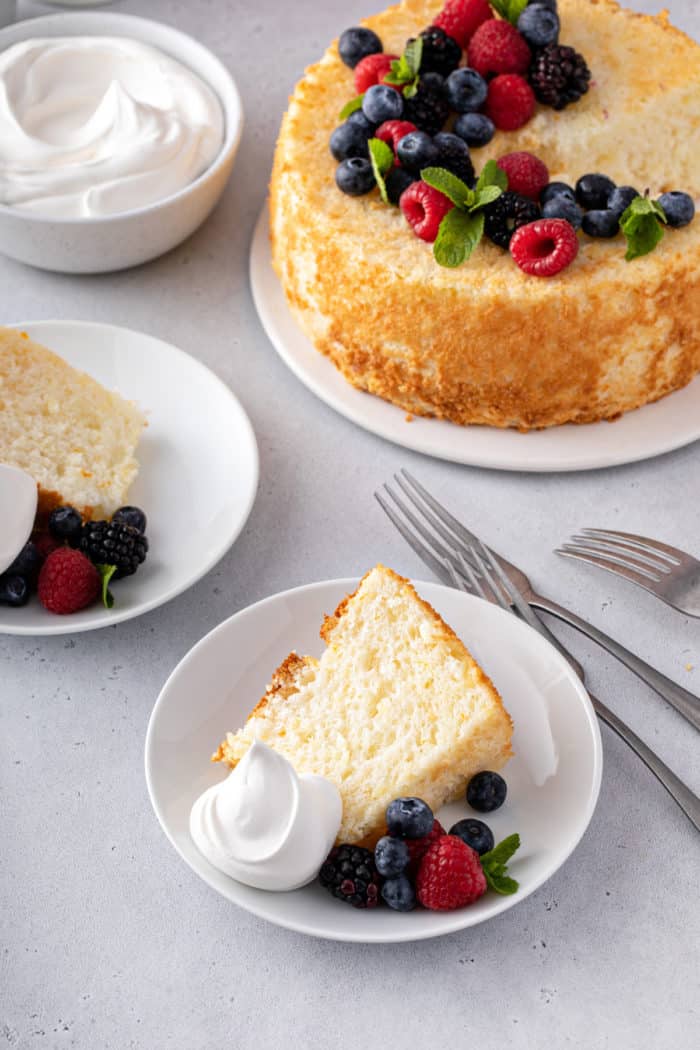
265	825
95	126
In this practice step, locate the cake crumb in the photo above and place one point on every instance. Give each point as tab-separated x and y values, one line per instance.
689	667
409	417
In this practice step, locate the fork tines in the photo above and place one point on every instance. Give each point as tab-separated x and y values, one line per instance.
638	556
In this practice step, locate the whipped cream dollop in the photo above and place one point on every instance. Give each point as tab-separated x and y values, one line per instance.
265	825
18	499
95	126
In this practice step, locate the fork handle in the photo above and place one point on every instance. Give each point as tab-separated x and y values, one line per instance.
686	703
680	792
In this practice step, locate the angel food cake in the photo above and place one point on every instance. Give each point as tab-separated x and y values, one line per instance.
486	339
395	706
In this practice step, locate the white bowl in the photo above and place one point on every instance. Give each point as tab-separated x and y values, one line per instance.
98	245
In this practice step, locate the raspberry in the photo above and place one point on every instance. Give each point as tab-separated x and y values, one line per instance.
424	209
511	102
450	875
371	70
498	47
68	581
461	18
417	848
392	131
544	247
527	174
45	544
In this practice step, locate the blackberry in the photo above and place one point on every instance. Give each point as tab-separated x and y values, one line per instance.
559	75
441	53
111	543
396	181
454	156
429	108
350	875
507	214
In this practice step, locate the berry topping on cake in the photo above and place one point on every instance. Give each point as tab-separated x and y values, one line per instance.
382	102
466	90
475	128
399	894
355	177
559	75
356	43
498	47
474	833
372	70
417	150
349	140
453	155
506	215
621	198
601	223
392	131
68	581
562	207
428	108
396	182
350	875
111	543
557	189
511	102
391	856
450	875
440	52
679	208
542	249
593	191
409	818
487	790
539	24
527	174
462	18
424	209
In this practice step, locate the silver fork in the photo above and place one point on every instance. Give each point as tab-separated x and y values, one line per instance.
448	527
665	571
450	565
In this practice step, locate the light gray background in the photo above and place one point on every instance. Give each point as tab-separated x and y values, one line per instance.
107	940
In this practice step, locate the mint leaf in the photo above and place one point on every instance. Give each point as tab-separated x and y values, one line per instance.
413	55
642	226
495	863
458	236
106	573
443	180
351	106
381	158
502	884
511	10
404	70
487	195
492	175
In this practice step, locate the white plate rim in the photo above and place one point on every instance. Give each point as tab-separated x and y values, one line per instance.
456	920
477	446
63	624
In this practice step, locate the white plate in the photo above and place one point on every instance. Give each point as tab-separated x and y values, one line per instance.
198	467
550	800
669	424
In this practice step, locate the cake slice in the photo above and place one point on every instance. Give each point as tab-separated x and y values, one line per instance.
74	437
396	706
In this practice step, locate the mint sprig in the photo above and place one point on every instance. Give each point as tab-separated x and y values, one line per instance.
351	106
106	573
642	225
403	71
495	865
511	10
381	158
462	228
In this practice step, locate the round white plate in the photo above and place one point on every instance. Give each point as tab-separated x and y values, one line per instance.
553	781
666	425
198	467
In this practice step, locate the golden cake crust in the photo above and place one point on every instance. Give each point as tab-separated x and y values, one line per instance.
486	343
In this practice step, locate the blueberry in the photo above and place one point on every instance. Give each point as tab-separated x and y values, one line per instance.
592	191
382	103
600	223
557	189
133	516
391	856
562	207
65	524
368	126
396	181
466	90
417	150
450	145
409	818
486	791
475	128
620	199
399	894
539	24
349	140
475	833
678	207
27	563
356	43
551	5
354	176
14	590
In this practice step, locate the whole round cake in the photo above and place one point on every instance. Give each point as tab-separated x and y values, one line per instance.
570	324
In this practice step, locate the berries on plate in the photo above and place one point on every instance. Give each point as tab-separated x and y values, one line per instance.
559	76
428	109
593	191
475	128
563	207
424	209
557	189
466	90
474	833
507	214
417	848
355	177
417	150
441	53
511	102
382	102
527	174
349	140
601	223
111	543
27	563
68	581
453	155
65	525
621	198
392	131
487	790
679	208
399	893
372	70
391	856
450	875
498	47
350	875
14	589
396	181
133	516
409	818
461	18
539	24
356	43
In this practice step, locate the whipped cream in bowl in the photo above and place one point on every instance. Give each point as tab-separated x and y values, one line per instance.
266	825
